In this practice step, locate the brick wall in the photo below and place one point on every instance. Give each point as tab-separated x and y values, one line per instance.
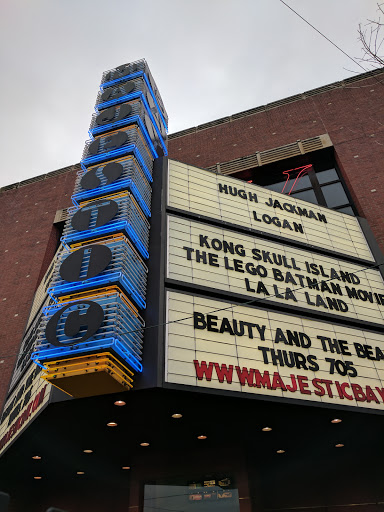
27	244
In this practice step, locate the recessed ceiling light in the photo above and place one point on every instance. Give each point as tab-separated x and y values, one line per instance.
144	444
120	402
112	424
201	437
336	420
266	429
177	416
280	451
88	451
339	445
80	473
36	457
37	477
126	467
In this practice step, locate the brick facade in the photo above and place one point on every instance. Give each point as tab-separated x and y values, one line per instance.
28	241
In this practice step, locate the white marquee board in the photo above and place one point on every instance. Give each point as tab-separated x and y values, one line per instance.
201	255
248	345
231	200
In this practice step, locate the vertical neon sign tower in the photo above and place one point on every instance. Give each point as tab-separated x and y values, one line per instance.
90	340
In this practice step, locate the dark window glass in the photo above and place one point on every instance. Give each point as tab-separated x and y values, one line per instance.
276	187
302	182
334	195
327	176
347	209
306	195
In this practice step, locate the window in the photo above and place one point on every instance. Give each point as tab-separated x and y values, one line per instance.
317	183
334	195
327	176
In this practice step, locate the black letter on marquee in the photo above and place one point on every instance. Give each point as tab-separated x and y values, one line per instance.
111	171
106	210
91	319
99	259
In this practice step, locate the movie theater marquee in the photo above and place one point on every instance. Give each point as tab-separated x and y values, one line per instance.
230	200
248	350
222	259
219	344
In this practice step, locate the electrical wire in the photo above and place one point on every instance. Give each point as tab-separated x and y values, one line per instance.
329	40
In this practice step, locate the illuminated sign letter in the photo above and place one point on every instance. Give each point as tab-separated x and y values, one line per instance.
113	142
105	211
120	72
111	171
108	115
92	319
71	268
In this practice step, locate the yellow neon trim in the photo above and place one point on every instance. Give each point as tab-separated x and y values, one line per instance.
105	363
117	160
87	360
107	370
130	127
84	357
116	237
101	292
118	195
107	367
100	240
139	209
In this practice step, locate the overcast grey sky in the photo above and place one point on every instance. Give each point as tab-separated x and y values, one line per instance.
209	58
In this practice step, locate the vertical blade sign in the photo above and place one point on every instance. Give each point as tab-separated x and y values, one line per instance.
90	339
